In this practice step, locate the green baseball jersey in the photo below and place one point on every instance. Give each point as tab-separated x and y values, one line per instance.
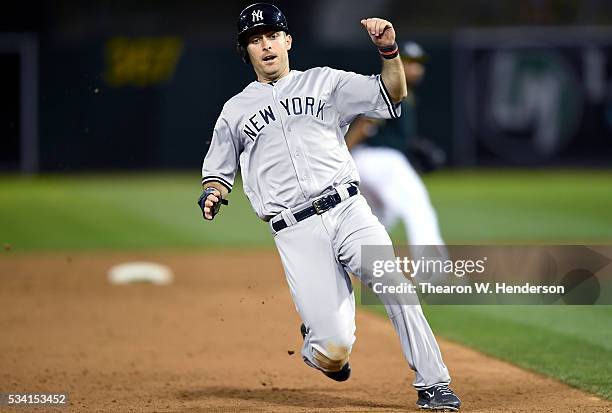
395	133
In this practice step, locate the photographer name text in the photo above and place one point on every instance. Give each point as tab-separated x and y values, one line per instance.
476	288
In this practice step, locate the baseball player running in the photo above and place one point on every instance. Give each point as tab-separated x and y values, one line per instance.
286	131
378	149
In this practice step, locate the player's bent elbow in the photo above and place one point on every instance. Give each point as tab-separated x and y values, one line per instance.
399	97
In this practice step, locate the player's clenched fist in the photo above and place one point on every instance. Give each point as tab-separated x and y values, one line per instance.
381	31
210	202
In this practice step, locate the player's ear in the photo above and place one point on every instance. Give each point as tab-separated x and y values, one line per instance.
288	41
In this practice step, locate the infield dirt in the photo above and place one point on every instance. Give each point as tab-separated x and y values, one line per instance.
224	337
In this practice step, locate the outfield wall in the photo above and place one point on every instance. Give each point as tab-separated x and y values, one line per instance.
151	102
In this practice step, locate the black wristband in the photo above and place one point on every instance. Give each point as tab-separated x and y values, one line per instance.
389	52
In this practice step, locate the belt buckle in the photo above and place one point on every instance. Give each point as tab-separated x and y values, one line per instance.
323	204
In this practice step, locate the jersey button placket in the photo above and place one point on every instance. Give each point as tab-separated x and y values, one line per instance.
289	141
295	154
302	165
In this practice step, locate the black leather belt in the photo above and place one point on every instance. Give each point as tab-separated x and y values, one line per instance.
319	206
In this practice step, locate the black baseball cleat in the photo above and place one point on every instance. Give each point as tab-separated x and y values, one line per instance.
341	375
303	330
440	398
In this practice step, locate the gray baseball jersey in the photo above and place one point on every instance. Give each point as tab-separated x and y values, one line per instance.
288	136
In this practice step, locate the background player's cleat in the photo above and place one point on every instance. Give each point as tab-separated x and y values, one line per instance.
341	375
440	398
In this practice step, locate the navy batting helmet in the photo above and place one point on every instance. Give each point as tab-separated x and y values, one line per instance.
255	16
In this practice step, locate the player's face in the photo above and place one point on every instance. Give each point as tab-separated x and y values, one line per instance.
269	55
414	72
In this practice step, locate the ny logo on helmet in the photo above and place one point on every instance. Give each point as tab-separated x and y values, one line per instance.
257	15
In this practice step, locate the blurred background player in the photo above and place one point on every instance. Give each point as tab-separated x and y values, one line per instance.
390	183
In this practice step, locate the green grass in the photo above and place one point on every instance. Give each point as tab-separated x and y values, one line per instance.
159	210
522	206
119	212
573	344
